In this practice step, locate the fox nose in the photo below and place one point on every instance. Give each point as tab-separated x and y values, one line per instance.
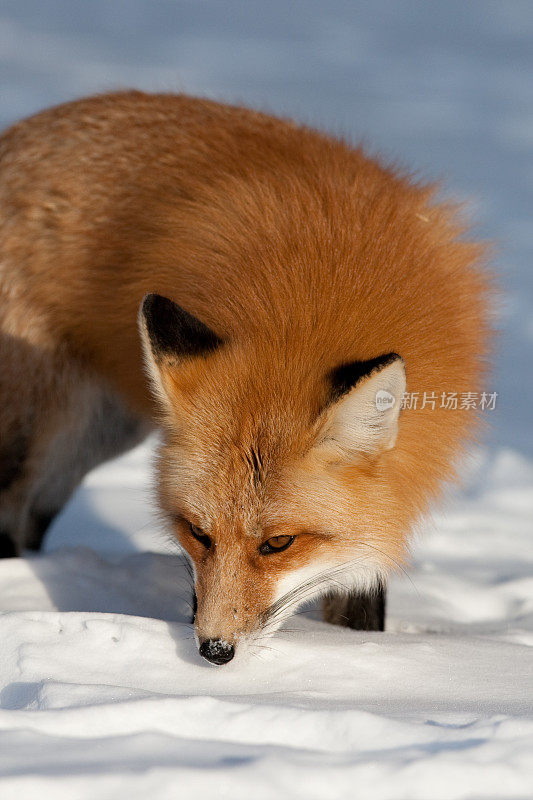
217	651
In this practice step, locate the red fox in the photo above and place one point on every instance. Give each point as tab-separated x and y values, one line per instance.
290	293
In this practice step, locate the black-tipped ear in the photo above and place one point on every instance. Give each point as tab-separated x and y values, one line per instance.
362	416
344	378
173	332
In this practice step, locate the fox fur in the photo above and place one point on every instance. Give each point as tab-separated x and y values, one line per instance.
299	256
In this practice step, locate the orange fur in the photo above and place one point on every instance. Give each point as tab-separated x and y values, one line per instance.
302	254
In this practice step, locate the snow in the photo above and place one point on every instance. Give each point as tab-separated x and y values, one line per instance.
102	691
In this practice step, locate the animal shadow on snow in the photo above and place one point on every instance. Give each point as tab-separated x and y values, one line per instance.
142	584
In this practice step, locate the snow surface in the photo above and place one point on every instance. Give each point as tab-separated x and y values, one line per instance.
102	692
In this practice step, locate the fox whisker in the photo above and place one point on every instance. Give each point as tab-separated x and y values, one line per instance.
283	608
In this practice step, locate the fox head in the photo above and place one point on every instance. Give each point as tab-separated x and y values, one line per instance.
276	475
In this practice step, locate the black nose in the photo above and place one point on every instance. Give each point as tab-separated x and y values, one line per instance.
217	651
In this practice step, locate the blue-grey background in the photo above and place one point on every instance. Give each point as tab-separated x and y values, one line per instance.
445	88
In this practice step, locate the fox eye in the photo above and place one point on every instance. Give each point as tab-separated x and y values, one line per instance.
200	536
276	544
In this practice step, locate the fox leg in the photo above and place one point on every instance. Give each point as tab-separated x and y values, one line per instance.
24	373
362	611
57	422
95	427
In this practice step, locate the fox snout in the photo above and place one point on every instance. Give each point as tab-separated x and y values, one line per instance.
217	651
221	626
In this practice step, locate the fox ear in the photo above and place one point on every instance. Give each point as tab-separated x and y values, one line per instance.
363	417
169	335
